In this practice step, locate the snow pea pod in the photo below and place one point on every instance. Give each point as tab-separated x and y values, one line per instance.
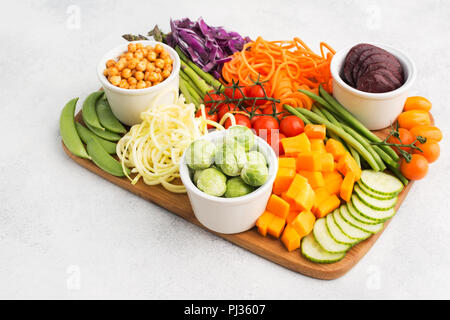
89	113
103	160
106	117
86	134
69	132
105	134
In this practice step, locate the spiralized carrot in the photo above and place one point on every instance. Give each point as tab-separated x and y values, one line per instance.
286	65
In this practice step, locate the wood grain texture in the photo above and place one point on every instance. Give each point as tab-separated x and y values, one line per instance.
267	247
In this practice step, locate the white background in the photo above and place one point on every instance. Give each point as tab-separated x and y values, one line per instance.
66	233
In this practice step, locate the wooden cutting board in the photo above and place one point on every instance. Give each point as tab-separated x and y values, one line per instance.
267	247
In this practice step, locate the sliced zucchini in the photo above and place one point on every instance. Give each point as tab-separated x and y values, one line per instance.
337	233
370	213
324	239
349	230
373	194
312	251
372	228
374	203
381	183
356	215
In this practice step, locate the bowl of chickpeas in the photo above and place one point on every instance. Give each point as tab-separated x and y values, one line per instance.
138	75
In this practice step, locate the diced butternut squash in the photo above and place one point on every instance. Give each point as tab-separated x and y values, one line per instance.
327	161
327	206
347	186
290	238
316	131
321	194
287	162
304	223
276	226
333	182
264	221
305	199
315	178
298	184
283	180
317	145
310	161
292	146
278	206
347	163
336	148
291	216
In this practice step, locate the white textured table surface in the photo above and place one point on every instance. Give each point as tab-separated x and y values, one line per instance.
66	233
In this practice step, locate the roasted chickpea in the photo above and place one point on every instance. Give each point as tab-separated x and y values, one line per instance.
129	55
126	73
169	67
167	61
164	54
138	54
124	84
145	51
110	63
113	71
141	85
141	66
121	64
158	70
139	45
132	47
165	74
139	75
153	77
159	63
158	48
156	82
132	80
115	80
150	67
148	84
149	48
151	56
146	75
132	63
105	72
132	86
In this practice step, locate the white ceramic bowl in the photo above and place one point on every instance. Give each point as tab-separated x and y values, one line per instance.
230	215
374	110
127	104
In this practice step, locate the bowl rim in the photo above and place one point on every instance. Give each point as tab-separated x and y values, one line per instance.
404	58
111	54
271	159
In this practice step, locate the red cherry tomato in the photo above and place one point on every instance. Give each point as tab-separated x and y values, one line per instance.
265	124
256	92
226	108
234	93
406	137
274	140
256	114
214	100
279	111
241	120
291	126
212	117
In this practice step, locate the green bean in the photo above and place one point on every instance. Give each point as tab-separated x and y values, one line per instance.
107	118
89	113
322	113
103	160
86	134
350	140
385	157
354	122
105	134
399	175
301	116
68	131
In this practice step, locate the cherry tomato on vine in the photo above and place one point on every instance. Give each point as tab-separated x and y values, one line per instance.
237	94
256	92
266	123
416	168
291	126
214	100
241	120
430	150
279	111
226	108
212	117
256	114
405	137
274	140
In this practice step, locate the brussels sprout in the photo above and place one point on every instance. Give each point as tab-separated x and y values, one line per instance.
200	154
256	156
196	175
230	158
242	135
236	187
254	173
213	182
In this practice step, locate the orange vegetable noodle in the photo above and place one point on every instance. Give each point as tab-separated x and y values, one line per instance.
285	66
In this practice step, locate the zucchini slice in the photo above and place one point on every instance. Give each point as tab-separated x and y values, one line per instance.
372	228
348	229
324	239
374	203
381	183
373	194
355	214
313	252
370	213
337	233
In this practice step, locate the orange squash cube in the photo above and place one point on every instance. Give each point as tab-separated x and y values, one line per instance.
278	206
263	222
283	180
276	226
333	181
292	146
347	163
316	131
327	161
290	238
321	194
291	216
327	206
286	162
298	184
347	186
317	145
336	148
305	199
310	161
304	223
315	178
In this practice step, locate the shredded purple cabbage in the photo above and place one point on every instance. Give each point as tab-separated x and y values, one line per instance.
208	47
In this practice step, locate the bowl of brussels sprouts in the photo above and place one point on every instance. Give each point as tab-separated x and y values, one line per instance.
228	176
